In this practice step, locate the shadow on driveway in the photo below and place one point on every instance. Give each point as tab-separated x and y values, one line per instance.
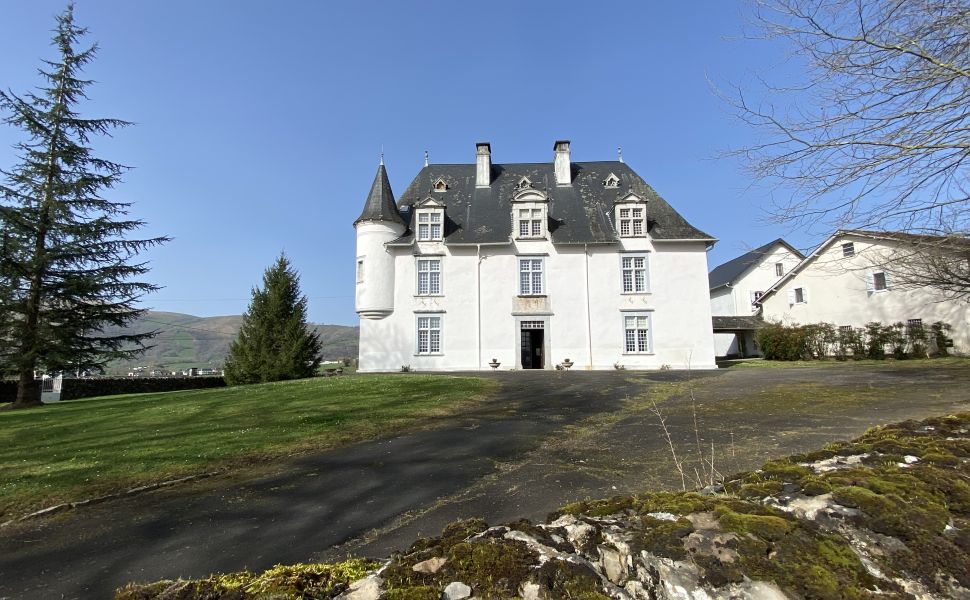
544	439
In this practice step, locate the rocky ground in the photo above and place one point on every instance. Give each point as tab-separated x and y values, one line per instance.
884	516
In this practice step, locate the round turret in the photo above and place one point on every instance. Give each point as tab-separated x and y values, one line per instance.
379	223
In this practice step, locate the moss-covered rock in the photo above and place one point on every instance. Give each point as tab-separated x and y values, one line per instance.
856	520
318	581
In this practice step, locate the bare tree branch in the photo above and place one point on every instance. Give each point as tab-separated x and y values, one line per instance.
877	135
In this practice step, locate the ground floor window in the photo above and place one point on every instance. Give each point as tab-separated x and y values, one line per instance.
429	334
636	333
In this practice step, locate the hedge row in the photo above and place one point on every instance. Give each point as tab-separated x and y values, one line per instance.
873	341
74	389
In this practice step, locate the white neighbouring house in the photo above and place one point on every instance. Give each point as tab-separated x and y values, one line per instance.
849	280
529	264
736	287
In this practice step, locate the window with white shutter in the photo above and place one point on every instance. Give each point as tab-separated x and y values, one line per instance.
877	281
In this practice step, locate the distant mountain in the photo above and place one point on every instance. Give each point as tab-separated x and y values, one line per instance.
189	341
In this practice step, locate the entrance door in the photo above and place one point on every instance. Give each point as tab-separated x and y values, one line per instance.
532	344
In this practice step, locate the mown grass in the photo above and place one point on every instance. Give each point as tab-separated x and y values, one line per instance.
84	448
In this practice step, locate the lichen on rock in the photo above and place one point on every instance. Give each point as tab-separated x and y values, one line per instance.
886	516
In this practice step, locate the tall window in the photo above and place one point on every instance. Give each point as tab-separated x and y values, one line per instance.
429	335
530	222
530	276
636	333
429	225
879	282
634	274
779	269
360	270
429	276
632	221
800	295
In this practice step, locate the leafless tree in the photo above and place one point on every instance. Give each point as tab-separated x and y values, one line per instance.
938	262
876	135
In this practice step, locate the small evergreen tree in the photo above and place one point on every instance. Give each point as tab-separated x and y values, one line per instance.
274	342
65	262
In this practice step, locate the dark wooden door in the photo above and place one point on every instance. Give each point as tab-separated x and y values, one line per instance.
532	342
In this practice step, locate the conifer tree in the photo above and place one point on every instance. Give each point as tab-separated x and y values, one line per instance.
66	265
274	342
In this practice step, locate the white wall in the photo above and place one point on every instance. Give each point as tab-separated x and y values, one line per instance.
722	302
838	294
481	325
736	299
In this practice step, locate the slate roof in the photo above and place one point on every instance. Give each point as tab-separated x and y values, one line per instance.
380	205
730	271
578	214
736	323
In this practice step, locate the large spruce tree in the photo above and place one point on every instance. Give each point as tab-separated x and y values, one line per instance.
66	263
274	342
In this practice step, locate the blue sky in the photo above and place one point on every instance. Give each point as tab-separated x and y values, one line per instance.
260	124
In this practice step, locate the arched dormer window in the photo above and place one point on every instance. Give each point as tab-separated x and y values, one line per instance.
612	181
530	214
440	185
631	216
429	220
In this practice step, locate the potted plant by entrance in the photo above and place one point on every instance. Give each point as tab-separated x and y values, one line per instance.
494	364
567	363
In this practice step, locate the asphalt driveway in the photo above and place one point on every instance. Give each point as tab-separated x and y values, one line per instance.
546	438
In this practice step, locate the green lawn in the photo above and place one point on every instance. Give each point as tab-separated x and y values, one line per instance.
84	448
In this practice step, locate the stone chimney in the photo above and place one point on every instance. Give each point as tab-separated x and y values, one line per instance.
483	164
563	173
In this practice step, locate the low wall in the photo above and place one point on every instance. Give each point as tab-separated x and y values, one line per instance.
74	389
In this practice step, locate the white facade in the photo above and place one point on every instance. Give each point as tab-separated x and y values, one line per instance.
432	304
854	286
582	312
737	296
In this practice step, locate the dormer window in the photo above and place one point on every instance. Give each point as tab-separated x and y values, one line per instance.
631	216
523	184
429	215
632	221
612	181
440	185
429	225
530	222
530	213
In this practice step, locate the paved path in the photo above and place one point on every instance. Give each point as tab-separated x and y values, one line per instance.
544	439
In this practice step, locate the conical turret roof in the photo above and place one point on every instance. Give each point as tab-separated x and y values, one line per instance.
380	205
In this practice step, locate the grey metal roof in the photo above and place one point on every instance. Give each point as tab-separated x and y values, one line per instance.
736	323
380	205
730	271
578	214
